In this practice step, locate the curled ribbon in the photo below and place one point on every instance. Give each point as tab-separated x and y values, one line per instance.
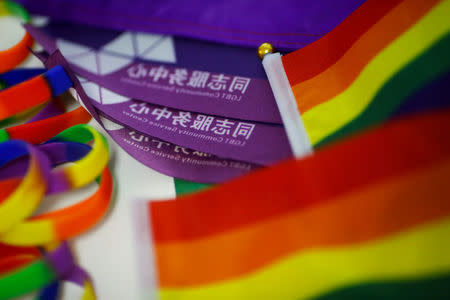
29	155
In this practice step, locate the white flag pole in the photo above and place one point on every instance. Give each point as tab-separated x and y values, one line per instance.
287	105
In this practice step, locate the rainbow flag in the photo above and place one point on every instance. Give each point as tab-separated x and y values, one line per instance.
367	217
363	72
387	59
361	220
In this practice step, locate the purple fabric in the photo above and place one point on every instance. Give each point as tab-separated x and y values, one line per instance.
61	260
192	54
182	163
265	144
255	104
290	24
77	276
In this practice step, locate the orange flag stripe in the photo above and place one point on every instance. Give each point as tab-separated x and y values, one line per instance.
339	76
372	212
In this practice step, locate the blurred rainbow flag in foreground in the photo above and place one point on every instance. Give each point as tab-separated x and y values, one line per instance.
365	218
368	218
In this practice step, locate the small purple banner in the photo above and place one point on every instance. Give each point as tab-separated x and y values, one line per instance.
182	74
155	153
258	143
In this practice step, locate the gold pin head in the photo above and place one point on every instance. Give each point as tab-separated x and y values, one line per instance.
264	49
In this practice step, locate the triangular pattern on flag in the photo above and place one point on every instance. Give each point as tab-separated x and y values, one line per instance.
110	97
87	61
71	49
163	51
144	41
92	90
109	63
123	45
